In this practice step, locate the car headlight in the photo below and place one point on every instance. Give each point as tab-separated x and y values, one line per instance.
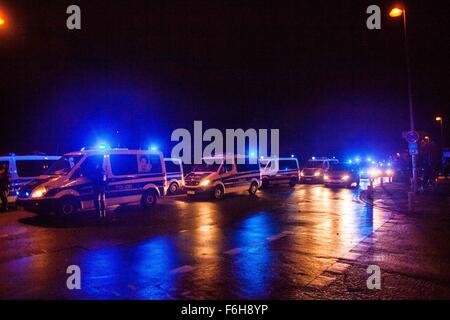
302	174
317	173
325	177
39	192
205	182
345	178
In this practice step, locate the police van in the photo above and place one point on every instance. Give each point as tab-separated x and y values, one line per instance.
276	171
175	176
133	176
222	174
24	168
316	169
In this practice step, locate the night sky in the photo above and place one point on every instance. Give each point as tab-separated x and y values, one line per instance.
144	68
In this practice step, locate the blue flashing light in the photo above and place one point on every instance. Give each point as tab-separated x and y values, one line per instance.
369	159
357	159
27	194
389	164
102	146
292	155
350	161
314	158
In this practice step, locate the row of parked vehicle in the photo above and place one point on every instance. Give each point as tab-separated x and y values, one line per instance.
64	184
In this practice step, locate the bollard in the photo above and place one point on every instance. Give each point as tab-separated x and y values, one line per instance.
381	181
411	201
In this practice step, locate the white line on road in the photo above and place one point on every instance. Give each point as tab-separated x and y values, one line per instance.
183	269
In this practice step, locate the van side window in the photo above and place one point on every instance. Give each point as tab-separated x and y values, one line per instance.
123	164
149	163
247	167
89	165
288	165
172	166
155	161
32	168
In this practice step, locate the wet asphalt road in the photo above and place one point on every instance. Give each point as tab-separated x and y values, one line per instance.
269	246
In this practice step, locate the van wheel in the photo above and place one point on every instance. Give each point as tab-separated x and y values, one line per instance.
67	206
253	188
173	188
265	184
149	198
218	192
292	182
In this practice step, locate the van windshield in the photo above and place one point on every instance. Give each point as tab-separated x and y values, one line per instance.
315	164
205	167
63	165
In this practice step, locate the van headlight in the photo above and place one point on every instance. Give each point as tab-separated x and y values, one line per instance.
325	177
204	183
317	173
345	178
302	174
39	192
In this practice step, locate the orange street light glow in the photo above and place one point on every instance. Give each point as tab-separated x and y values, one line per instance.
2	21
438	118
396	12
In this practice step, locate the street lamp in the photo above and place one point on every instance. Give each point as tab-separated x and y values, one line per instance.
394	13
440	120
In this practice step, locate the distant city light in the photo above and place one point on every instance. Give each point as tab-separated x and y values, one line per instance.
153	147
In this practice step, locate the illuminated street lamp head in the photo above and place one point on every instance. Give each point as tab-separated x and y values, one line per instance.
2	21
395	12
438	118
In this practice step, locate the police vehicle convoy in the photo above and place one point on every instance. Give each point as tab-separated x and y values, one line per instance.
24	168
222	174
67	187
175	175
316	169
277	171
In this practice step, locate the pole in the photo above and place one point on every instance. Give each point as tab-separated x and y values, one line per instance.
442	134
410	102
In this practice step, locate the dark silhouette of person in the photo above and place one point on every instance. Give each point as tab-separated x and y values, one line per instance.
100	182
4	186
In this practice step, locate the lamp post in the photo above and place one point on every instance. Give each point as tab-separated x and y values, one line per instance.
394	13
440	120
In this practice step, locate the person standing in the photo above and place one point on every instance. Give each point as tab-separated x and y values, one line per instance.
100	183
4	186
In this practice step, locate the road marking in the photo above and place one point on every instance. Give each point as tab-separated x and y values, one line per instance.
183	269
338	267
233	251
321	281
279	236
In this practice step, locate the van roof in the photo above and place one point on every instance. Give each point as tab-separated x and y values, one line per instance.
113	151
30	157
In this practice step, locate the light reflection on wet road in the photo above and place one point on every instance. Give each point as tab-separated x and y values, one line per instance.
269	246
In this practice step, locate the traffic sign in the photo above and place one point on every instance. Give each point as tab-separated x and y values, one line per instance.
413	148
412	136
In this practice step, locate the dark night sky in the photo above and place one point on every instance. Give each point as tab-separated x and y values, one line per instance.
310	68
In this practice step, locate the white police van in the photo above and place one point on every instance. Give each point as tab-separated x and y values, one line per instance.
276	171
175	175
24	168
133	176
223	174
316	169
